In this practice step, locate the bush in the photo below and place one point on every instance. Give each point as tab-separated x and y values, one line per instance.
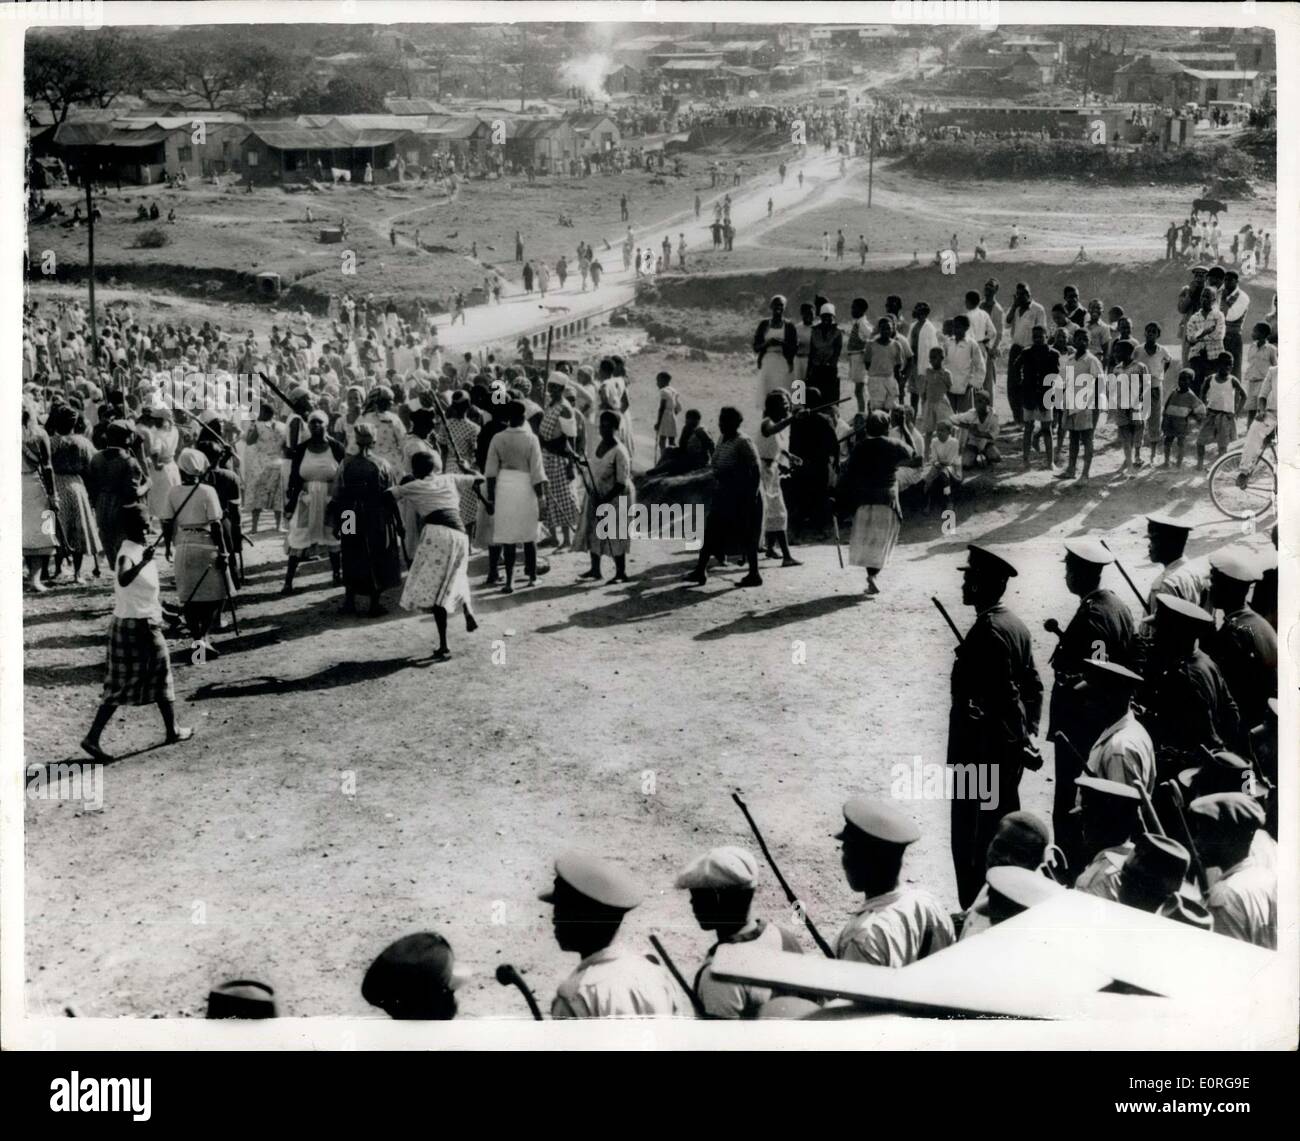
1072	159
153	239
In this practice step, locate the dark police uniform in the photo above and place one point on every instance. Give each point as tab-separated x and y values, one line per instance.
1187	702
1102	627
997	700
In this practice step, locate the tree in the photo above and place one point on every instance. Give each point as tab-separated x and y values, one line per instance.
352	94
201	63
65	68
268	70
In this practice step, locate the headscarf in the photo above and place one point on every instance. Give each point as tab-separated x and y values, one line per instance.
193	462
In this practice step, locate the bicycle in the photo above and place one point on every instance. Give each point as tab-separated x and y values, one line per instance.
1245	495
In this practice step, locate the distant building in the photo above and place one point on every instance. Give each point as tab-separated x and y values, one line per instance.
289	152
546	145
1032	69
624	80
690	74
143	151
1147	79
748	53
596	133
1039	45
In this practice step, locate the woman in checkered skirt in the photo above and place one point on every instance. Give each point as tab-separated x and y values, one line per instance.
139	665
558	430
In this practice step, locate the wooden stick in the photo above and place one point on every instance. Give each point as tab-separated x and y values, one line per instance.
780	879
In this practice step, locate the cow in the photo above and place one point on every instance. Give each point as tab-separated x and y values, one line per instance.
338	174
1211	206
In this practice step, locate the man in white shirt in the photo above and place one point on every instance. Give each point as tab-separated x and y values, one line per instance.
1023	315
965	360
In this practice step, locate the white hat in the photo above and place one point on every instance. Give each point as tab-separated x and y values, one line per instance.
721	868
827	308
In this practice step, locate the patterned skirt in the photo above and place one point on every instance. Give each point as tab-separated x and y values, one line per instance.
561	503
439	575
139	664
79	529
266	488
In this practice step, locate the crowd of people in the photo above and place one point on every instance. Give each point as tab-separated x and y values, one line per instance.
368	449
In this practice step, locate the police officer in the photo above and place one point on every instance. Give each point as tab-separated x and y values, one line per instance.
590	897
1124	751
722	883
1179	576
1109	814
997	700
1245	646
1102	627
895	925
1188	704
1243	900
1022	840
1154	879
415	978
1011	890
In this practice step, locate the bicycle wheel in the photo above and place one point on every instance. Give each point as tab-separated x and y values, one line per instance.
1257	500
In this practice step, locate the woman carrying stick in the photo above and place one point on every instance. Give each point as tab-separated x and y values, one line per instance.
139	666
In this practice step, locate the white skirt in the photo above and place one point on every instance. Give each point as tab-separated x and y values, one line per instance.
773	374
774	513
875	531
516	515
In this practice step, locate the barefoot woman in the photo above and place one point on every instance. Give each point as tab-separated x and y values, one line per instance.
438	579
139	666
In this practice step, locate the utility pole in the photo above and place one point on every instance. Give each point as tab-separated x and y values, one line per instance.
523	63
90	266
871	157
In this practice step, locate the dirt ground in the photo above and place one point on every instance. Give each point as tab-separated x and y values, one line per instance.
911	213
342	790
221	237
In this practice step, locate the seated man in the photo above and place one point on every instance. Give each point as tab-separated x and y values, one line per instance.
980	432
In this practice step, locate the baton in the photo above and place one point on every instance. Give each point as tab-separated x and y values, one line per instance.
508	976
681	982
780	879
947	618
455	451
1198	865
1119	566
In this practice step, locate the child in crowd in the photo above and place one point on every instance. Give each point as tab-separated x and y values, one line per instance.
1157	360
670	407
944	470
980	424
1182	406
1261	358
1223	397
936	383
1129	394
